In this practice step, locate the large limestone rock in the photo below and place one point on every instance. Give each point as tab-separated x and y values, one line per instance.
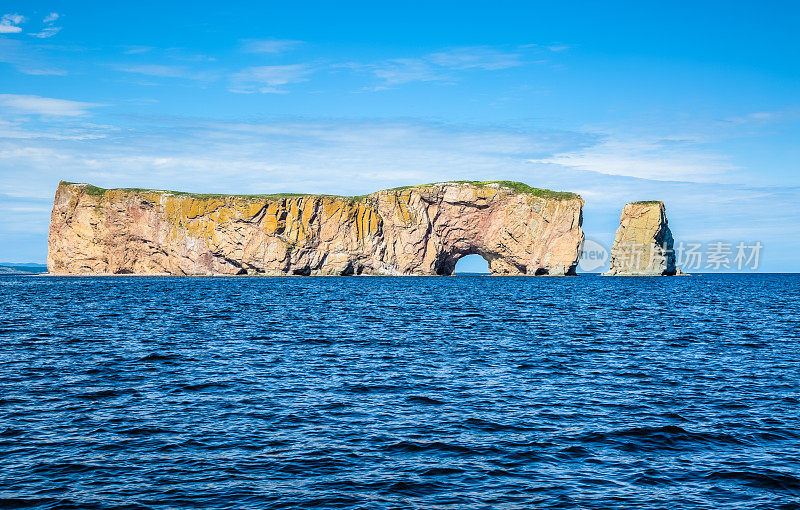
422	230
643	245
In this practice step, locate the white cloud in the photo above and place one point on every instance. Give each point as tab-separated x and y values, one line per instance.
761	118
136	50
9	23
475	57
185	56
27	59
37	105
46	32
268	79
156	70
169	71
14	131
441	66
269	45
14	19
405	70
9	29
653	158
333	156
42	71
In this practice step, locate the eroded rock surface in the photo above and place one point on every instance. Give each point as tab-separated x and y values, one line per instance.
420	230
643	244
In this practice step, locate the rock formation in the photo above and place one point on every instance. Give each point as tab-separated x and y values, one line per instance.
643	244
420	230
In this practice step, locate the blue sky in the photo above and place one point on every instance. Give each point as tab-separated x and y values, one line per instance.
696	104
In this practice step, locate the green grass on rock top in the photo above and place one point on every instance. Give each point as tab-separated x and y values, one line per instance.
517	187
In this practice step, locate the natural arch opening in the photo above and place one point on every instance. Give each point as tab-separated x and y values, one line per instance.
472	264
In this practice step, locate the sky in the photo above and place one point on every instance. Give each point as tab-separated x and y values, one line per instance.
693	103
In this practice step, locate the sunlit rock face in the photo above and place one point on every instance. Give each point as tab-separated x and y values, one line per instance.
420	230
643	244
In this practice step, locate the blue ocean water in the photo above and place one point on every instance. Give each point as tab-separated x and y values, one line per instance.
369	392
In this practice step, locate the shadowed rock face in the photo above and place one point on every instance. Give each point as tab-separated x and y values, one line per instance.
422	230
643	244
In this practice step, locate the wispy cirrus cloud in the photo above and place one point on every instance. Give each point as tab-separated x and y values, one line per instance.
441	66
46	32
181	54
28	59
445	66
79	130
475	57
172	62
169	71
347	156
268	79
764	117
136	50
49	29
269	45
164	71
666	158
38	105
406	70
42	71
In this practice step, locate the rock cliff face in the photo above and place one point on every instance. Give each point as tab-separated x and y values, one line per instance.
422	230
643	245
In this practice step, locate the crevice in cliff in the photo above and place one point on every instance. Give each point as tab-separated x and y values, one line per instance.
472	205
280	218
257	217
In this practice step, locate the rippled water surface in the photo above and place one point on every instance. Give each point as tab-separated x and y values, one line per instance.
460	392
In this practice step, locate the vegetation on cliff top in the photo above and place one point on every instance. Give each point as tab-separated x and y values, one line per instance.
517	187
646	202
94	190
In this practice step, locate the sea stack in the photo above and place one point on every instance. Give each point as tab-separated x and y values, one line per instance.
643	244
417	230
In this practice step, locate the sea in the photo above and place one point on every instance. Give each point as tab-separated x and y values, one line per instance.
400	393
